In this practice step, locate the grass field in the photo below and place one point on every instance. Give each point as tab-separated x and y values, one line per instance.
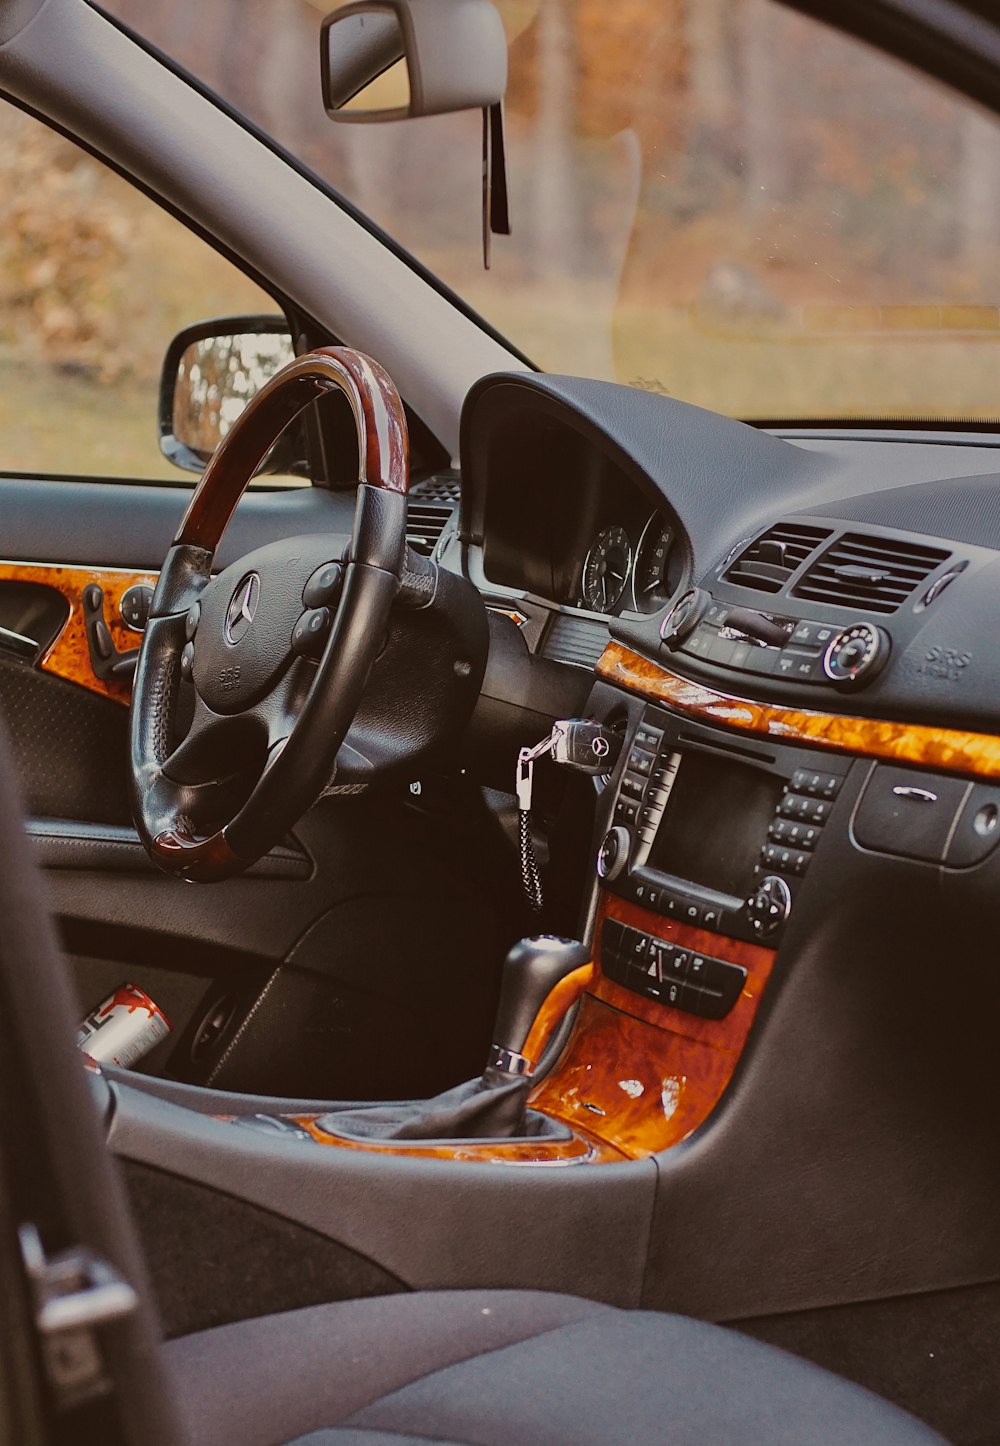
66	424
767	372
57	422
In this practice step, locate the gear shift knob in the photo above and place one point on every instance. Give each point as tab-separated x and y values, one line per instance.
531	971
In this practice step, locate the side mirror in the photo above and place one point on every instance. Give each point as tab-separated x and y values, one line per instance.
394	59
210	372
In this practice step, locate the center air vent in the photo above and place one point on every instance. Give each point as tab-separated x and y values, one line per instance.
872	574
430	505
768	563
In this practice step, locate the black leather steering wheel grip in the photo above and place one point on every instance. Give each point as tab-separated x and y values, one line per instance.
278	647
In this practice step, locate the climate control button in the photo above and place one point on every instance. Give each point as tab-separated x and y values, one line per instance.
856	653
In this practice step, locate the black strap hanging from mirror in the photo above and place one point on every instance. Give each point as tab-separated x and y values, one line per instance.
496	210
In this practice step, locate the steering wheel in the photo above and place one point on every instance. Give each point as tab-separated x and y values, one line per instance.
278	646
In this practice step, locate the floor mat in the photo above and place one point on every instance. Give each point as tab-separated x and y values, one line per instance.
937	1355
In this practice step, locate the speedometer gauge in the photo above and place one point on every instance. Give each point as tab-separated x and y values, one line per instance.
650	581
606	571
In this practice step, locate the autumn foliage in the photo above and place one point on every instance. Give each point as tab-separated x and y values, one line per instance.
63	244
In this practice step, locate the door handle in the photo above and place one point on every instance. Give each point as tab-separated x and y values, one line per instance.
18	645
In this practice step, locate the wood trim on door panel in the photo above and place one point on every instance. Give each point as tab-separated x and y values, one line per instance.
68	655
944	748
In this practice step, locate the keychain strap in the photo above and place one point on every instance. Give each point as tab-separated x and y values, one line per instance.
579	743
530	878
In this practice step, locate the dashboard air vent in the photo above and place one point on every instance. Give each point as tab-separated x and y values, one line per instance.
872	574
768	563
430	505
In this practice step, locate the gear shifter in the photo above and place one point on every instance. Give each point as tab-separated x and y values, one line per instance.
532	969
542	977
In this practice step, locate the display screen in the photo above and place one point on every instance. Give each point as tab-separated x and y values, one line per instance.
715	822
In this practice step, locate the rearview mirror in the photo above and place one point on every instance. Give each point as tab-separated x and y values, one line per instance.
210	373
395	59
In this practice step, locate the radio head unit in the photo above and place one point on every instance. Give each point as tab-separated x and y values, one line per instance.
711	834
716	816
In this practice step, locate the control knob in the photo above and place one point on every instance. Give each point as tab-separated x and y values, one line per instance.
769	905
685	615
612	856
856	654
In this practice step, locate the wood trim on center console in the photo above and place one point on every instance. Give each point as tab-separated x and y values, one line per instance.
946	748
641	1075
68	655
579	1149
636	1076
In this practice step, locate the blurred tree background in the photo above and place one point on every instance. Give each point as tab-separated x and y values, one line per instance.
717	199
95	280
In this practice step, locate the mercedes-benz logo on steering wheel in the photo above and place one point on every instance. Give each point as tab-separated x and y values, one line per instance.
242	607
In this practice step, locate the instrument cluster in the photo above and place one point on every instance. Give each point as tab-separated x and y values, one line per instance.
628	569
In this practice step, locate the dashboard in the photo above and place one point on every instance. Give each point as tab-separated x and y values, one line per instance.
570	525
620	572
795	863
848	573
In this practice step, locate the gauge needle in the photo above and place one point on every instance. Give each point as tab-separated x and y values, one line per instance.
616	575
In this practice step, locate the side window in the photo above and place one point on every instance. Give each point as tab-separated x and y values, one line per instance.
95	280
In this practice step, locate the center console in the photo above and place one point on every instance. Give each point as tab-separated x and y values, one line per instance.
710	841
715	834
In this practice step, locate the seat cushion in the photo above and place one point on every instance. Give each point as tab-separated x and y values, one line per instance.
484	1368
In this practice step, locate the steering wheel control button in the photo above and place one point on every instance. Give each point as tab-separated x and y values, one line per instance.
134	606
856	654
192	620
685	615
613	853
187	660
310	633
769	905
323	586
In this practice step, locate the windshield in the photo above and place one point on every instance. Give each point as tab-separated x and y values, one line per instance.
723	201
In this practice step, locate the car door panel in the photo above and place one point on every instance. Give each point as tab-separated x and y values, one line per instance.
100	660
62	843
130	525
68	724
221	948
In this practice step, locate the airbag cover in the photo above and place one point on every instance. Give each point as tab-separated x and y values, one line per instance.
240	651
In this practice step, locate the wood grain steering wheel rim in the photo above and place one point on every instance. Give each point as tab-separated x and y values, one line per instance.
288	712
